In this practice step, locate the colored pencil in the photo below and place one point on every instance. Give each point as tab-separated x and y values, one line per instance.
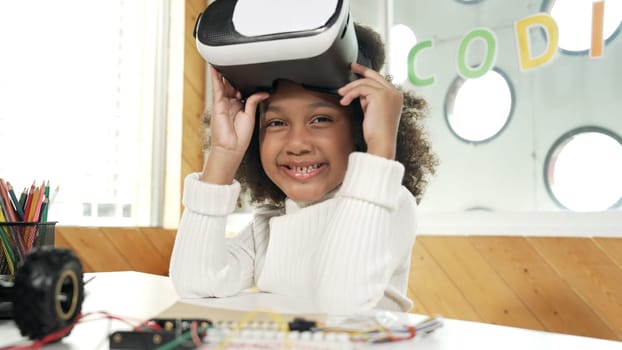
10	212
10	215
44	215
27	205
37	209
6	244
22	198
18	208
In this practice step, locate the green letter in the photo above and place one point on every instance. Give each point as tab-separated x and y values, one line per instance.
412	76
491	52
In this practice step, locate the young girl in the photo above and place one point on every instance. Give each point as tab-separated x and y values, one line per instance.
335	217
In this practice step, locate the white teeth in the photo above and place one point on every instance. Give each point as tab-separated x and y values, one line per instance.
305	170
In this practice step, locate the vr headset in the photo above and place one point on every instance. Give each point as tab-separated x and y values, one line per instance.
253	43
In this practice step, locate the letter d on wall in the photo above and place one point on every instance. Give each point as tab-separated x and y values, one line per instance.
521	28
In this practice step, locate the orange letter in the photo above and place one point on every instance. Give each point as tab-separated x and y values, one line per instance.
598	14
526	61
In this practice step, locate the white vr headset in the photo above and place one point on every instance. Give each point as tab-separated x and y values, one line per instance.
253	43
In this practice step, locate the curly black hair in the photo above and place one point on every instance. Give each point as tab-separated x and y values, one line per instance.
413	146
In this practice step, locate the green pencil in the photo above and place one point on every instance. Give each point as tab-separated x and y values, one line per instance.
46	202
22	198
18	207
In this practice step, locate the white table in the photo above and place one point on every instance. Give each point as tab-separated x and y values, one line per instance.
144	296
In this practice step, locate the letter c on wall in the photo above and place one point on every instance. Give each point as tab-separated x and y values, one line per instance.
412	75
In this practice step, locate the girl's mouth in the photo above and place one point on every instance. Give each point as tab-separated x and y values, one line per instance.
303	172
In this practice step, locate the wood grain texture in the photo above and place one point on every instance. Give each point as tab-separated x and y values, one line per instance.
593	275
479	282
137	249
60	241
542	290
434	290
612	247
94	249
162	240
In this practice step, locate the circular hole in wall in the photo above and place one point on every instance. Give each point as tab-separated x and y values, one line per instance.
583	170
574	22
477	110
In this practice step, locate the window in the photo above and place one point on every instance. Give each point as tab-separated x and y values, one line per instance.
583	169
574	20
82	89
476	110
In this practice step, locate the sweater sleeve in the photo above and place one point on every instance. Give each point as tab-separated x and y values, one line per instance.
369	237
204	263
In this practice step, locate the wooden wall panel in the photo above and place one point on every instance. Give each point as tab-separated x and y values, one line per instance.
479	283
612	247
162	240
434	290
61	241
541	289
137	249
93	248
595	277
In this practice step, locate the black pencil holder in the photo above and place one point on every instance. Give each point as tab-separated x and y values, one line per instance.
17	239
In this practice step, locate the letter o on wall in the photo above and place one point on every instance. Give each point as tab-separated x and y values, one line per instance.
490	41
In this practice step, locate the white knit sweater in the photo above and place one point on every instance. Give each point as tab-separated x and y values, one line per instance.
347	253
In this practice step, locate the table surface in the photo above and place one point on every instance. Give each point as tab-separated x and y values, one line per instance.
142	296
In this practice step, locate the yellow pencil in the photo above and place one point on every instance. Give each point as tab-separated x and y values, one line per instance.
6	245
33	205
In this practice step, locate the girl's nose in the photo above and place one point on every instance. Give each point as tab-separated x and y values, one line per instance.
298	141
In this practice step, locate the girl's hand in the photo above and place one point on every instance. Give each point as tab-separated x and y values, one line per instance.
231	129
382	107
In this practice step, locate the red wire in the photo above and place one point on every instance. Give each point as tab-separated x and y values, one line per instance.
59	334
149	324
412	332
47	339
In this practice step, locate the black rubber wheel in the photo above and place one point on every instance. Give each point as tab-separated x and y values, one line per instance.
49	290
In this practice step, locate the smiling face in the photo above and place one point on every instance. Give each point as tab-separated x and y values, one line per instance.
305	139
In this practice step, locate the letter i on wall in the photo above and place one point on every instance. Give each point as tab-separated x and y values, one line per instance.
598	19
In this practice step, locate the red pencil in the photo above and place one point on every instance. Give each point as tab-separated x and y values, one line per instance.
4	193
39	202
27	206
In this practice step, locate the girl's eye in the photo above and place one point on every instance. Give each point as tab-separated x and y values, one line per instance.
274	123
321	119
